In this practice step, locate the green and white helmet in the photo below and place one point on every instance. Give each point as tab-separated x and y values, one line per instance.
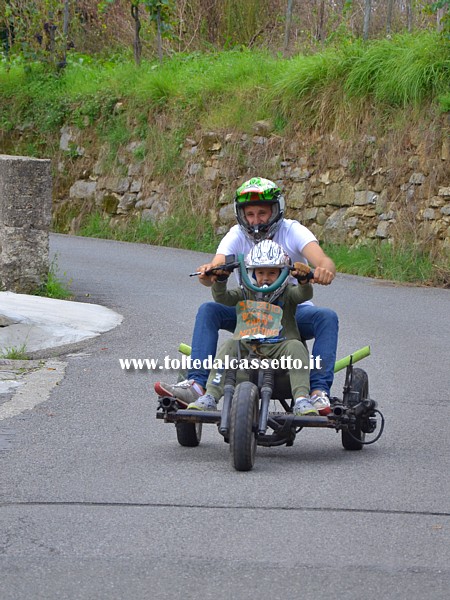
259	191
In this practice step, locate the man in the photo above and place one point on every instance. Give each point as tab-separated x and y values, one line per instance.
259	207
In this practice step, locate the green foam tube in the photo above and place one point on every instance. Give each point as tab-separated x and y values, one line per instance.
354	357
185	349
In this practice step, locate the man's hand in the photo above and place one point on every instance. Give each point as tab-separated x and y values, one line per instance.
324	267
323	276
208	279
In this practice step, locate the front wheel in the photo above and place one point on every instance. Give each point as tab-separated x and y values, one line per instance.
354	439
243	423
189	434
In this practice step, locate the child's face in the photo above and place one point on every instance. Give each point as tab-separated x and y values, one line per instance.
266	275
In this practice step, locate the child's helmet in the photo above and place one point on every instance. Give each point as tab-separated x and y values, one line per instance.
259	191
268	253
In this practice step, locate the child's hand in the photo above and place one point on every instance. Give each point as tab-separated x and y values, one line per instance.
300	272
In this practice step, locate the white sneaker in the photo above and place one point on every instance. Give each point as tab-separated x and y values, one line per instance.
321	402
185	391
205	402
303	407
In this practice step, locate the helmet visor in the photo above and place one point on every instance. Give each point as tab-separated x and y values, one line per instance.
256	196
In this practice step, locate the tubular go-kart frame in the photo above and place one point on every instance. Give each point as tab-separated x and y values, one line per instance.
246	419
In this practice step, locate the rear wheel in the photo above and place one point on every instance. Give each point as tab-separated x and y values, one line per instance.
189	434
353	439
243	423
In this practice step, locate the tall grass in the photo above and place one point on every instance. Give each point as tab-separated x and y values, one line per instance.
162	104
408	69
181	230
397	262
404	71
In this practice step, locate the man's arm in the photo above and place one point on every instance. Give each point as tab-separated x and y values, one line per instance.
324	267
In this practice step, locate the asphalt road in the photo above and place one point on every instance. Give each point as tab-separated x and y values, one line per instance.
98	500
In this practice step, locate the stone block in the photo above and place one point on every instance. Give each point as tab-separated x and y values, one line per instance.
126	203
157	212
226	214
417	178
24	261
365	197
136	186
211	174
119	185
309	214
210	139
429	214
25	192
195	168
263	128
383	230
297	195
338	194
25	217
83	189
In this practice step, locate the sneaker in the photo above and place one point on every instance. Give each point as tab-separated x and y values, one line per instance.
303	407
185	392
321	402
205	402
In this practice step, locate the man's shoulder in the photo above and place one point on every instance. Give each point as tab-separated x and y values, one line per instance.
233	233
290	223
233	242
291	229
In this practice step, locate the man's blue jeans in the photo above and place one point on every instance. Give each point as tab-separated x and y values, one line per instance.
313	322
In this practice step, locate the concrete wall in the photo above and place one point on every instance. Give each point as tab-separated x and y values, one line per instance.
25	217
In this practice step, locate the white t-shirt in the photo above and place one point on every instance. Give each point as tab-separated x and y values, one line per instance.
291	235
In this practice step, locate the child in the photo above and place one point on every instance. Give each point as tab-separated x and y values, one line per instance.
268	317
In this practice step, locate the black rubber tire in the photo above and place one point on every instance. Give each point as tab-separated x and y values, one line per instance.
243	420
352	440
189	434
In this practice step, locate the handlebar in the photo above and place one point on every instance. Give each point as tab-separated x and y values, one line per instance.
231	263
226	267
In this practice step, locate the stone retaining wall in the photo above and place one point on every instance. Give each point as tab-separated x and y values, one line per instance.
344	191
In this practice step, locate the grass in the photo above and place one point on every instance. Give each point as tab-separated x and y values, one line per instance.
182	230
405	70
408	70
53	287
382	260
161	105
15	352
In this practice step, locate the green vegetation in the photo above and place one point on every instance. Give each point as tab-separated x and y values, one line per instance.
381	260
400	80
406	71
15	352
182	230
227	89
53	287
